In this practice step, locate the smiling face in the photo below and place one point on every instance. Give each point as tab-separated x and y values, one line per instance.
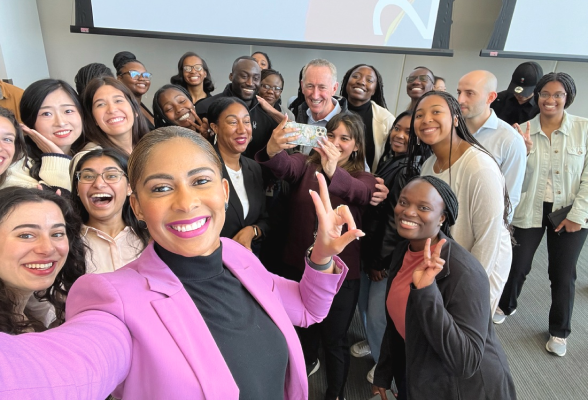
418	213
342	139
233	129
318	89
194	78
58	120
176	107
182	198
112	111
245	79
266	89
7	148
432	120
399	135
551	107
34	246
261	60
138	86
103	201
361	85
417	88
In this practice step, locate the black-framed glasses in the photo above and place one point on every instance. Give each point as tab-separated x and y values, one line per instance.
136	75
421	78
557	96
195	67
274	88
87	176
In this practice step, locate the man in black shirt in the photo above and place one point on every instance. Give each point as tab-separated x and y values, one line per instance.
517	104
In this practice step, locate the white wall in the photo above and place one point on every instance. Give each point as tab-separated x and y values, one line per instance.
22	53
472	27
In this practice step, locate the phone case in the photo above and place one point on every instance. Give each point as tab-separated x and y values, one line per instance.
559	215
309	134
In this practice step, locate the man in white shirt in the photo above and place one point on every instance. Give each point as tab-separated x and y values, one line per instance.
476	91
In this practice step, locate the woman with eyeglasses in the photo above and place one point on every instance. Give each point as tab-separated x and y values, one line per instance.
133	74
270	89
556	179
196	316
193	74
100	196
420	81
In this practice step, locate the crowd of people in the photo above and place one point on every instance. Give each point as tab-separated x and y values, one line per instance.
169	251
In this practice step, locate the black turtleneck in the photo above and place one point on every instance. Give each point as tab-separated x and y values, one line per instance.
367	115
253	347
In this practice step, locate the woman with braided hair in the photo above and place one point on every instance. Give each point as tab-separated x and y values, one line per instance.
473	174
439	340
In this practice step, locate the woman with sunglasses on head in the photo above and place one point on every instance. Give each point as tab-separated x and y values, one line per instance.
555	179
420	81
194	75
143	331
439	340
52	121
100	196
42	256
12	148
473	174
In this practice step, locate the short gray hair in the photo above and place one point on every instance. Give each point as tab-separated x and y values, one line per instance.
321	62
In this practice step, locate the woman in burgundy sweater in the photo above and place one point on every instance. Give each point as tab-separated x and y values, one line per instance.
341	159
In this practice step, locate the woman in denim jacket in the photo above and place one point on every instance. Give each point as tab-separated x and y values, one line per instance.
555	177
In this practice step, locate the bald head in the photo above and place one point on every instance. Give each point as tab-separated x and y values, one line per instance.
482	81
476	91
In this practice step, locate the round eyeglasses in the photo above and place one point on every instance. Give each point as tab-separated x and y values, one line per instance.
274	88
136	75
421	78
195	68
113	176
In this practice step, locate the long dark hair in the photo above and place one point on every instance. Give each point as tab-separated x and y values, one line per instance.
378	96
416	148
387	145
178	79
74	267
128	216
32	100
158	115
93	133
19	142
355	127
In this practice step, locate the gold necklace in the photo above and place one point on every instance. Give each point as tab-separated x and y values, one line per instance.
447	162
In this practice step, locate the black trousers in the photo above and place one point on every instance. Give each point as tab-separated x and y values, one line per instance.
332	331
563	251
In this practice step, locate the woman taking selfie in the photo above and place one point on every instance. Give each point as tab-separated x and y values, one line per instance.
100	195
439	340
42	256
146	329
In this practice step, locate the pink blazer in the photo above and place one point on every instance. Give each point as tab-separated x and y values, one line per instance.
137	331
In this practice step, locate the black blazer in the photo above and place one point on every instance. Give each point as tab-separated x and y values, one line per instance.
255	189
451	350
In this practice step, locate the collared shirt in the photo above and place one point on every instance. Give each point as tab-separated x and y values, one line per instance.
565	155
509	109
109	254
508	148
10	96
321	122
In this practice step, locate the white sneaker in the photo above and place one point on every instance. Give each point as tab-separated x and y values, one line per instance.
556	346
360	349
499	316
370	375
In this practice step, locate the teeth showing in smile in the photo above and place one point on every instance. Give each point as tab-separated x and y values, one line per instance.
316	101
184	117
187	228
62	133
358	89
39	266
101	195
408	223
115	120
194	78
549	107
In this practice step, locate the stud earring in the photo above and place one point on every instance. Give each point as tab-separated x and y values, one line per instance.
441	224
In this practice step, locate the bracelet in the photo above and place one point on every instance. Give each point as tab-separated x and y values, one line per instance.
316	267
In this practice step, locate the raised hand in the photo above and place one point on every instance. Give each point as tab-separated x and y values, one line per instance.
199	125
44	144
329	241
424	274
329	156
279	141
270	110
526	136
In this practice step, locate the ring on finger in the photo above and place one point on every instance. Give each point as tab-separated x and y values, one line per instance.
337	209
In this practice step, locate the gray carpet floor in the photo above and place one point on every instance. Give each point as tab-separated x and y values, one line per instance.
538	375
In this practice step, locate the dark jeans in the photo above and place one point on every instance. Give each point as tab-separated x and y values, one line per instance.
332	331
563	251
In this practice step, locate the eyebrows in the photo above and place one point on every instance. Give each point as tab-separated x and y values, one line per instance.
35	226
56	106
115	96
168	177
105	169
